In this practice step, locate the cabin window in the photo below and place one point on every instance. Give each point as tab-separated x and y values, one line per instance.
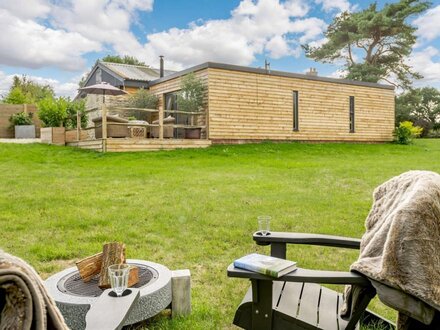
181	118
295	111
351	114
98	76
170	101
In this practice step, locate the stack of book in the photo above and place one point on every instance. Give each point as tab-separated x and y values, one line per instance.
265	265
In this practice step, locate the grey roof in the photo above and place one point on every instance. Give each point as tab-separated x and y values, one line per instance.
134	72
270	72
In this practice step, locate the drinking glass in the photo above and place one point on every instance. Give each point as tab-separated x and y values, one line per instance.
264	224
119	277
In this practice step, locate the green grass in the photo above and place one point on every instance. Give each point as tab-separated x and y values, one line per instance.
194	209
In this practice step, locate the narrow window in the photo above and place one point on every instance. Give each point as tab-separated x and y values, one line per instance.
295	111
351	114
98	76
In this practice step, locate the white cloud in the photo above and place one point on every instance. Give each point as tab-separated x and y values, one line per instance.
24	42
61	88
42	33
427	63
311	28
5	83
428	25
100	20
339	73
297	8
26	9
278	47
253	28
331	5
58	33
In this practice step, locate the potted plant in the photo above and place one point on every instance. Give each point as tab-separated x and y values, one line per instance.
53	112
23	125
190	99
143	99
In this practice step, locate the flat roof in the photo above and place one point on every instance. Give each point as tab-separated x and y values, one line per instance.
231	67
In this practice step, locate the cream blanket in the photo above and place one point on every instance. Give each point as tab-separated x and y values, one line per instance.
24	301
401	245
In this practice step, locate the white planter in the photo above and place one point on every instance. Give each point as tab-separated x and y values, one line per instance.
25	132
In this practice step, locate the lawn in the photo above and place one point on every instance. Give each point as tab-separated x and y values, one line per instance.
194	209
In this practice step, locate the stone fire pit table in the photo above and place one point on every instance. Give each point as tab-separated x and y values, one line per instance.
74	297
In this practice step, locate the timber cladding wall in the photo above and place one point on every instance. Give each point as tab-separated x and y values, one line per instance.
254	106
6	110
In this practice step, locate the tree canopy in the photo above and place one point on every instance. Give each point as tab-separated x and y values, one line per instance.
190	97
374	44
123	60
26	91
421	106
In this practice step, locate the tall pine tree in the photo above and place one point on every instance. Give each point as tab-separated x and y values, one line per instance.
374	44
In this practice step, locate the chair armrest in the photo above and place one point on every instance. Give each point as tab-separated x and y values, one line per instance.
310	239
304	275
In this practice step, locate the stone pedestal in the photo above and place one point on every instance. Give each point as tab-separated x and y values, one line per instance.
181	292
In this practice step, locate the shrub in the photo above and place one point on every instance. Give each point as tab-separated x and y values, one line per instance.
190	97
73	107
144	99
406	132
21	118
435	133
53	112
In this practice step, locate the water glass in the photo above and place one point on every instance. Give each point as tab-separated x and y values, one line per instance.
264	224
119	277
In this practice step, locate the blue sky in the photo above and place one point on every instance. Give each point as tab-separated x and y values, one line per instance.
56	42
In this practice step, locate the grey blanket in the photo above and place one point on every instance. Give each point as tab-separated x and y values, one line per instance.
401	245
24	301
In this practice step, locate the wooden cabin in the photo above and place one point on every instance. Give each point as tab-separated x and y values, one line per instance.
244	104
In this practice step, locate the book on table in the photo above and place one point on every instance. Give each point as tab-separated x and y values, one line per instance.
266	265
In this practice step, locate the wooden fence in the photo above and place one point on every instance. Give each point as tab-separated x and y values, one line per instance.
6	110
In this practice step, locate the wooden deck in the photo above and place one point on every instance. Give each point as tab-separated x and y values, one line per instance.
131	145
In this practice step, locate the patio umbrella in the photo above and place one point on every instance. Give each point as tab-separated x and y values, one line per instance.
102	88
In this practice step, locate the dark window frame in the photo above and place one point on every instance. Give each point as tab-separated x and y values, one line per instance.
351	117
295	109
171	104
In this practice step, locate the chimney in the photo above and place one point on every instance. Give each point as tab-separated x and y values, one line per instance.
161	66
312	72
266	66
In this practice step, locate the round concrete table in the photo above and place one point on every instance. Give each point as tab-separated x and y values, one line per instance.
155	294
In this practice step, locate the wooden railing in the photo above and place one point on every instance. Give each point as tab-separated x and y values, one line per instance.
130	125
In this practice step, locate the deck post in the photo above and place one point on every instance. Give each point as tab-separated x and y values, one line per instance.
78	126
161	111
104	127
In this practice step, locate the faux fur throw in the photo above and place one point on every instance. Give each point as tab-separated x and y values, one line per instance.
24	301
401	245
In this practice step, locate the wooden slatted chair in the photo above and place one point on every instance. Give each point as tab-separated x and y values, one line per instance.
297	300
